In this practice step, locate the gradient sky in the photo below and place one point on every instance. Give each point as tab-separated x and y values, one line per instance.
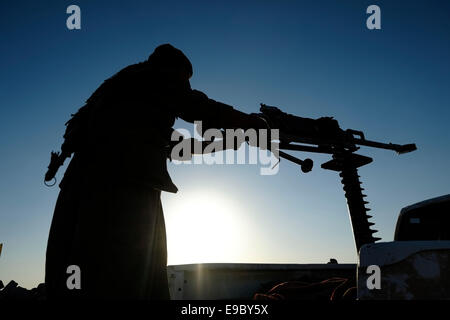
310	58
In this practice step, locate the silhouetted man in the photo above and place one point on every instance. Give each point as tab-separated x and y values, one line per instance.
108	218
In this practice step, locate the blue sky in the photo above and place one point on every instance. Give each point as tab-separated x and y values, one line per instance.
310	58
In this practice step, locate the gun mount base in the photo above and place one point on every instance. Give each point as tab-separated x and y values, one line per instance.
347	164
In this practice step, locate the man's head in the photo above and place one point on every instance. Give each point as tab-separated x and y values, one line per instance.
168	59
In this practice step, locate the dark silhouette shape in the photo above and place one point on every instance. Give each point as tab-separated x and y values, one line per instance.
108	218
324	135
332	261
13	292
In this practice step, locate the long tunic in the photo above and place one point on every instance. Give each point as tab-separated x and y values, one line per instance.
108	219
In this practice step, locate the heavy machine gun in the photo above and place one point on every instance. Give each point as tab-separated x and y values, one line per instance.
324	135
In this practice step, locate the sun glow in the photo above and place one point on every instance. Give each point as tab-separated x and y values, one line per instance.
203	227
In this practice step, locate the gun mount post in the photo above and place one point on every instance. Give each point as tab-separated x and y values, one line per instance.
347	164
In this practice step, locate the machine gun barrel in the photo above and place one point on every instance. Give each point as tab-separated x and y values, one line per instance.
399	148
325	133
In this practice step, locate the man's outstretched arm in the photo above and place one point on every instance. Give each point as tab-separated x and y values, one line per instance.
217	115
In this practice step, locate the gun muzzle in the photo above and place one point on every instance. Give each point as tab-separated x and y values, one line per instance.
406	148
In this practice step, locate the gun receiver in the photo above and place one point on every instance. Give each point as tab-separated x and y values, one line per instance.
324	135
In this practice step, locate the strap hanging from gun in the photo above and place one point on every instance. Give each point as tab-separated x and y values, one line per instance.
56	161
74	139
